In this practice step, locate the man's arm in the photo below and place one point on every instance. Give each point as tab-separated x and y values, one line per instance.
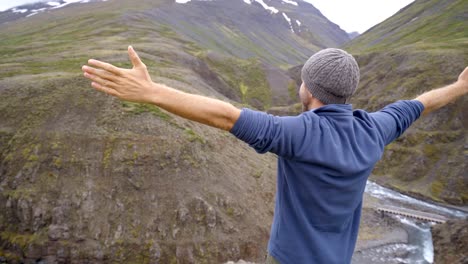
205	110
438	98
136	85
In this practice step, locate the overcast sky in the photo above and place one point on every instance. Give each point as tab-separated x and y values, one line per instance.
358	15
350	15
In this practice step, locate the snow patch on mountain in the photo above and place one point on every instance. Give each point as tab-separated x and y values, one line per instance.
53	3
36	11
186	1
289	2
271	9
67	2
267	7
44	6
14	10
289	22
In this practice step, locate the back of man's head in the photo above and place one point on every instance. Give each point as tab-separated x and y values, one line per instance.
331	75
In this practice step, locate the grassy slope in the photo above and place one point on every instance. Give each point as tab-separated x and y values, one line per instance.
424	24
70	156
423	46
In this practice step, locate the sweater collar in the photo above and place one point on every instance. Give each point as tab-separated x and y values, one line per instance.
334	109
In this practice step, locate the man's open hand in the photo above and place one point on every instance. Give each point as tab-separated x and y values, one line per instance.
127	84
438	98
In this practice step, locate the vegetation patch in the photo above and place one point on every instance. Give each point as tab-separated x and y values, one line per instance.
436	188
192	136
292	90
23	240
108	152
246	77
139	108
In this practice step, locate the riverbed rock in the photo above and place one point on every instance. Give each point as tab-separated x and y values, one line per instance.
451	242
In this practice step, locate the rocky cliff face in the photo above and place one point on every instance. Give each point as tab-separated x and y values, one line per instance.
449	240
87	178
418	49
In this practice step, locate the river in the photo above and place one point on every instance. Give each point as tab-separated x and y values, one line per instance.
419	248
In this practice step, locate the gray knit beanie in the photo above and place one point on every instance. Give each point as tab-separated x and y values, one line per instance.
331	75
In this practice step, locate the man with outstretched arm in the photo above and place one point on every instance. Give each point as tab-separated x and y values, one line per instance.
325	154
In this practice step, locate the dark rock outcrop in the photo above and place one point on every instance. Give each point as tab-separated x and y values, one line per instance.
451	242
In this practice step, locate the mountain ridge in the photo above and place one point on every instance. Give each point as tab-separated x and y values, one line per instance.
278	8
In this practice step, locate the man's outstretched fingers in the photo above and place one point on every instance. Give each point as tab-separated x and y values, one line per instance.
103	89
100	73
99	80
134	58
106	66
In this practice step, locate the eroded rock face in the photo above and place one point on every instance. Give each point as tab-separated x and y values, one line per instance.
156	190
451	242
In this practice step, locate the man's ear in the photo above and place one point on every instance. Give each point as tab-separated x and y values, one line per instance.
307	92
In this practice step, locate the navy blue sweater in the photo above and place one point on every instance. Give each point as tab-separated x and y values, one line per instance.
324	159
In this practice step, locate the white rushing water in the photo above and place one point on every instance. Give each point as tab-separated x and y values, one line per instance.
382	193
420	249
421	235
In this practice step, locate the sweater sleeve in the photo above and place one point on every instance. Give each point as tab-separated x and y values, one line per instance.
268	133
395	118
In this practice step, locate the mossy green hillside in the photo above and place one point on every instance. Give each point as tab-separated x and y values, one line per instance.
422	24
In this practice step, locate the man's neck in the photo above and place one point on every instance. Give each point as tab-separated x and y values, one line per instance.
315	103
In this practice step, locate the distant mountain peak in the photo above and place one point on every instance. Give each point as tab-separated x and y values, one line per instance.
353	34
286	10
32	9
267	7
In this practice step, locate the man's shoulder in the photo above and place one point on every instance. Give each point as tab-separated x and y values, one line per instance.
398	107
395	118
